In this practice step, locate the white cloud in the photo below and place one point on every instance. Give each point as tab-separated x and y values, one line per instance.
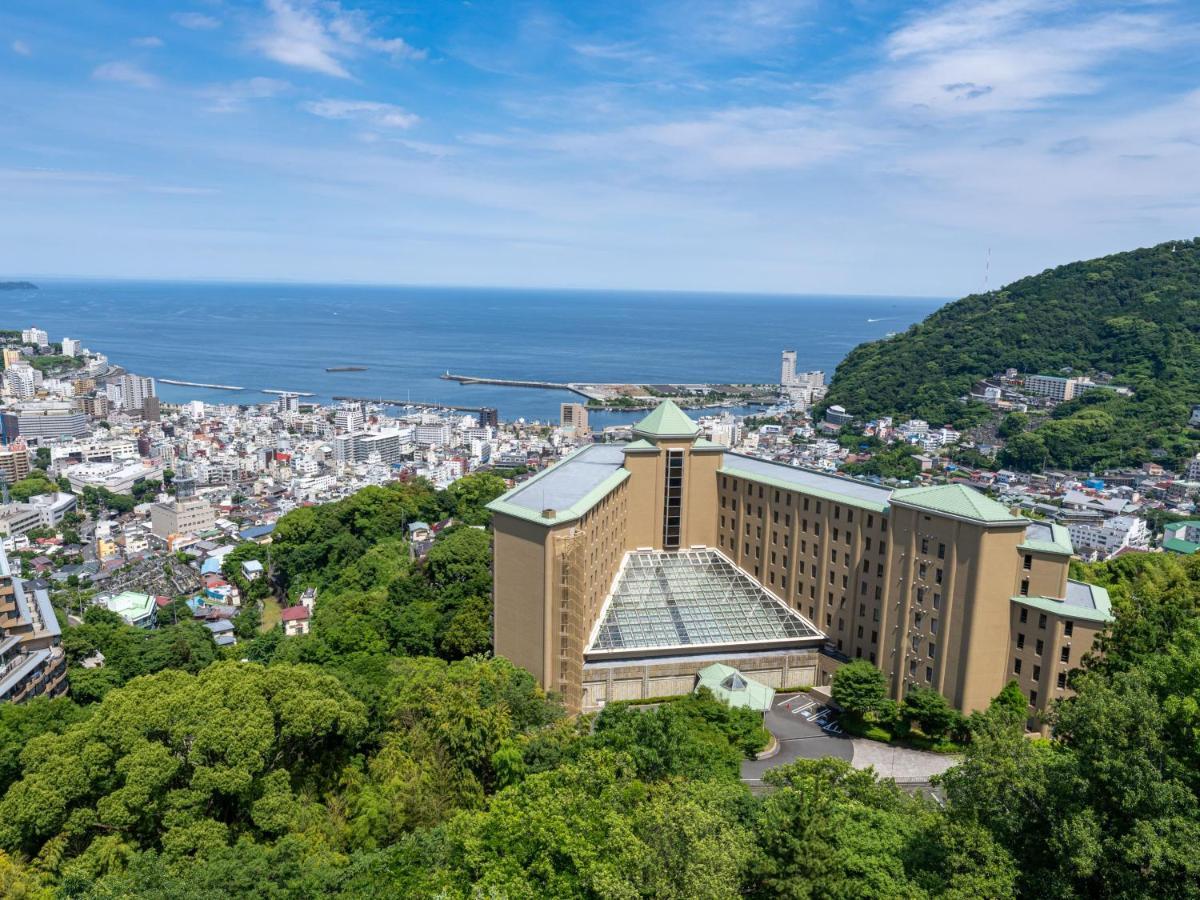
367	112
234	96
988	56
149	41
196	21
125	73
320	37
21	48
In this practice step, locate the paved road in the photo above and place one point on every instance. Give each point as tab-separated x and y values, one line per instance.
798	739
801	739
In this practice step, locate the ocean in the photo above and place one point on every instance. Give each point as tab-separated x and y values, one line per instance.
283	336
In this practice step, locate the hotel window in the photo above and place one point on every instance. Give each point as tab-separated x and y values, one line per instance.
772	577
747	548
1040	646
924	545
722	521
1037	673
735	484
928	674
870	521
866	566
772	557
849	515
867	544
920	595
1024	616
835	534
1042	621
758	532
804	524
921	571
774	537
932	651
862	609
1064	655
1016	667
828	620
723	484
818	507
777	496
841	624
783	582
722	501
806	506
747	529
937	601
872	657
837	511
883	525
1028	561
933	626
937	576
1020	640
1033	698
787	539
817	528
733	505
1068	628
1062	680
833	556
787	520
878	592
941	551
775	516
787	499
874	639
879	571
1024	587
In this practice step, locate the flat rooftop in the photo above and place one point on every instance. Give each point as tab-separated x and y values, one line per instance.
568	481
831	486
692	601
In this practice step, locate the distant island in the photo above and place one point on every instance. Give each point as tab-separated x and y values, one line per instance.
18	286
346	369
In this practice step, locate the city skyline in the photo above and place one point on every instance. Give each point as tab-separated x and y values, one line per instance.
783	147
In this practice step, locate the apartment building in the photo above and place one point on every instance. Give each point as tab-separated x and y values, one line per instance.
32	662
625	568
16	462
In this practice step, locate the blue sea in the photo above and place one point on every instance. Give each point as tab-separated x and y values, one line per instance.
283	336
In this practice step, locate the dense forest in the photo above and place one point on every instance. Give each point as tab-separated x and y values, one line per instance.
1135	316
388	754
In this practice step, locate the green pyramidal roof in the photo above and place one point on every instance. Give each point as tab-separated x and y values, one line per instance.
667	421
956	500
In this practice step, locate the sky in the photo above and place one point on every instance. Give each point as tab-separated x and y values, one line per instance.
795	146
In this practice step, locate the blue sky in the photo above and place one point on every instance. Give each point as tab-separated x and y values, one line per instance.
846	146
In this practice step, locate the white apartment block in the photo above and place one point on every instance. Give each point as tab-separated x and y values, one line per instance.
1112	535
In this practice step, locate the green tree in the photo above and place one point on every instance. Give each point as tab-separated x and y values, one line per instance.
1012	425
1026	452
472	493
859	688
930	711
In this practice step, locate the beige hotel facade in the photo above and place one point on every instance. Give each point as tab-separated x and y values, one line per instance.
625	568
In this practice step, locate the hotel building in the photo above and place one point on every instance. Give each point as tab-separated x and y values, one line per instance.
624	569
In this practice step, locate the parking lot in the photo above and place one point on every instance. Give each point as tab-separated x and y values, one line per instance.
805	730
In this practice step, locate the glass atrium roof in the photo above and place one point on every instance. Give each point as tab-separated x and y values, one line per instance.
692	600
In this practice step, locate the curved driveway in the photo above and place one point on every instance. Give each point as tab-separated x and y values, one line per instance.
798	739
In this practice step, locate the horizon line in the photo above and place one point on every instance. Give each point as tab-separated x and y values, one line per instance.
447	286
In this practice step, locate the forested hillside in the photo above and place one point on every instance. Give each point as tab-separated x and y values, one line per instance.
1135	315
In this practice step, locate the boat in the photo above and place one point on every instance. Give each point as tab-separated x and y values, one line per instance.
346	369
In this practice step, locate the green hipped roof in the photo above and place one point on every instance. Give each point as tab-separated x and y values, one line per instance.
667	421
956	500
735	689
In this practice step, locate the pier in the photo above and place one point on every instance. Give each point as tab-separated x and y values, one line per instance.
384	401
199	384
580	389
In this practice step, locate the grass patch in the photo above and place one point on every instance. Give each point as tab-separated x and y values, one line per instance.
272	614
914	740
